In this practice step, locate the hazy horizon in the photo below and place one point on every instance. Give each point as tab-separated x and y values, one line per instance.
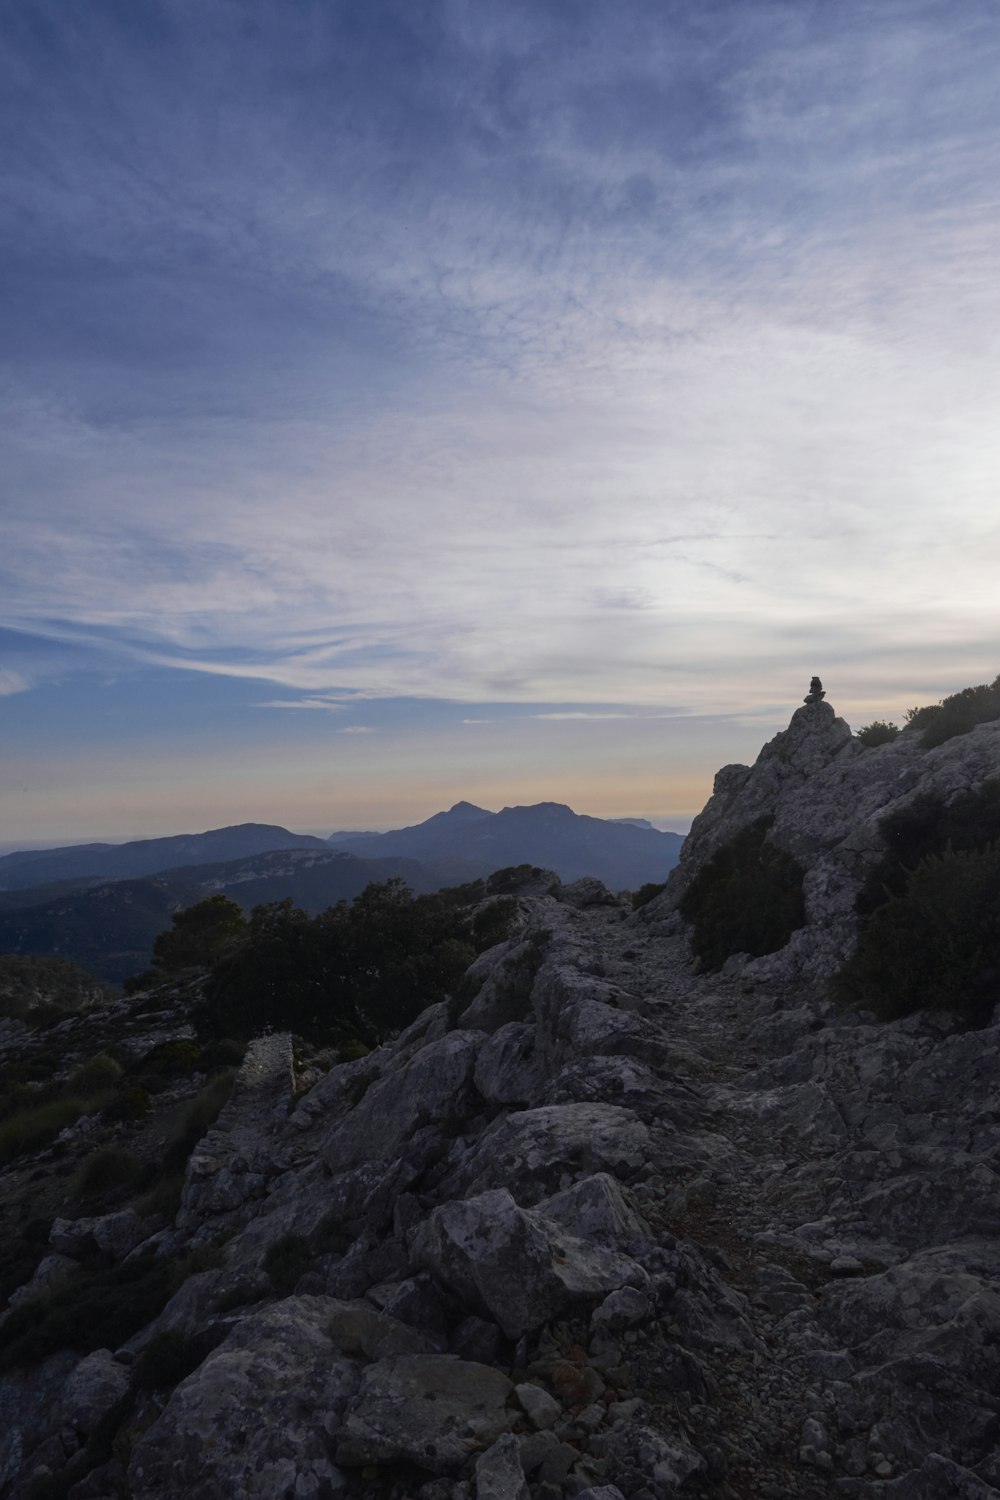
517	403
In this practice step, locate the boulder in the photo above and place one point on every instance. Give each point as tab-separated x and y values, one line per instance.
431	1086
256	1418
598	1209
96	1386
433	1411
539	1151
522	1268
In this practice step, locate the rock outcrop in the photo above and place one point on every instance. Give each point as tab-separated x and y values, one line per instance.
609	1228
828	796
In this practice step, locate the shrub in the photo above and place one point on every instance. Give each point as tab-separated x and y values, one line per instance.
32	1128
130	1102
647	893
936	944
957	714
107	1168
201	1113
96	1310
100	1072
360	971
20	1254
170	1059
227	1052
163	1199
494	922
878	732
286	1261
926	826
746	899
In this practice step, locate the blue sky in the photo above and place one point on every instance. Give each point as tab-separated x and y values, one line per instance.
410	401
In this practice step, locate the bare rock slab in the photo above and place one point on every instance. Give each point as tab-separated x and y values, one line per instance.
432	1410
257	1418
518	1265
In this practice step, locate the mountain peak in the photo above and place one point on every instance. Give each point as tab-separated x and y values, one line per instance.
466	810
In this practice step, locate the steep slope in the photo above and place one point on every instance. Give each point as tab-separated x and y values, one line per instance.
548	834
147	856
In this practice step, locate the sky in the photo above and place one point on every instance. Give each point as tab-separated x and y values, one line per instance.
406	401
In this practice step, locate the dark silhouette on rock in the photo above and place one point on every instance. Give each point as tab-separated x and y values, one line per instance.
815	693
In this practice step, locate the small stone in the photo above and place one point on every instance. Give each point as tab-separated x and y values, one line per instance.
542	1410
846	1265
883	1469
499	1475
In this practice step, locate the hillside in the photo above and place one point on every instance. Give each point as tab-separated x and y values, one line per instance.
110	928
146	856
626	1216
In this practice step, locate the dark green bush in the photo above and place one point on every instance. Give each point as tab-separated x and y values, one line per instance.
100	1072
360	971
163	1199
108	1167
937	944
511	878
170	1059
957	714
647	893
227	1052
198	1115
130	1102
746	899
20	1254
878	732
926	826
32	1128
96	1310
287	1260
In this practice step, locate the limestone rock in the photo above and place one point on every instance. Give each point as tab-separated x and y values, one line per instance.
520	1267
433	1411
542	1150
96	1385
499	1475
256	1418
597	1209
431	1086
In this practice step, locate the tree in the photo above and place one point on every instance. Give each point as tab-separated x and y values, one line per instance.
200	935
359	971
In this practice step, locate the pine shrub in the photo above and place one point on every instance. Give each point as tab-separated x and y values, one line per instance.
746	899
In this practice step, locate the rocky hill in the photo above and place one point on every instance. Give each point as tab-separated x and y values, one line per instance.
607	1223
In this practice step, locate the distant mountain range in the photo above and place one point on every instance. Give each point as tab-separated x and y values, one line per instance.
472	841
84	902
31	867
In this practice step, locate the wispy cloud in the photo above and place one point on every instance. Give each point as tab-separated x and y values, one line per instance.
617	371
12	682
357	729
324	705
